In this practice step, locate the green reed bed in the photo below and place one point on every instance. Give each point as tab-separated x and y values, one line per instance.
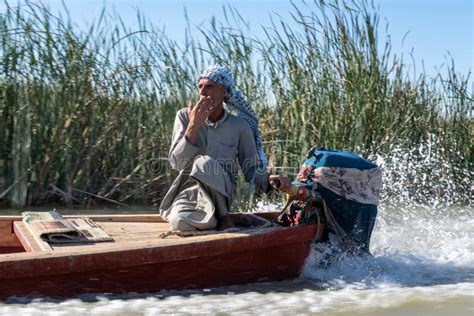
86	117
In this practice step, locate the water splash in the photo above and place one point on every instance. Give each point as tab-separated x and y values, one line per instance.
421	176
423	252
424	233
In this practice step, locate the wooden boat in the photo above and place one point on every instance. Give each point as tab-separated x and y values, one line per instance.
138	260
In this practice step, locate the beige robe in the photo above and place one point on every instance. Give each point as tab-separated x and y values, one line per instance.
206	182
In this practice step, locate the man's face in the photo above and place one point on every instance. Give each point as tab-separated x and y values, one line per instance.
210	88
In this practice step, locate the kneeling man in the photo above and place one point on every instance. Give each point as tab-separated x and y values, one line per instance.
208	144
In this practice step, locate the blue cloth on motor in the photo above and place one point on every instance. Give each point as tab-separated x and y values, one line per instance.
356	219
324	157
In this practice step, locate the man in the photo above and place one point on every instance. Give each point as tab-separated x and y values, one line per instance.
207	144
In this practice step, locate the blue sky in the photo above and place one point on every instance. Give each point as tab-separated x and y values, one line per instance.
429	28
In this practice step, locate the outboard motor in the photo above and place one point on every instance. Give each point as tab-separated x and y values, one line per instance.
342	186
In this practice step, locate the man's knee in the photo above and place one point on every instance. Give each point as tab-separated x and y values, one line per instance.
182	221
178	222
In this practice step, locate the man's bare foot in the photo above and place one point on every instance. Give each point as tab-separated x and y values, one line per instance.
225	222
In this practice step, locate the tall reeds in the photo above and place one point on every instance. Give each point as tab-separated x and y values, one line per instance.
86	117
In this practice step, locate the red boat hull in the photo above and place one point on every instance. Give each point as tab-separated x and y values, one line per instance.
198	262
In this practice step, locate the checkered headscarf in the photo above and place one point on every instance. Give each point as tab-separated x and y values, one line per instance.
236	102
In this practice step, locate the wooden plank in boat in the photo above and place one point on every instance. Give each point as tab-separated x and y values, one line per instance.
130	231
27	240
121	232
122	243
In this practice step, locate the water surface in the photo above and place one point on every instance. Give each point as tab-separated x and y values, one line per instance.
423	262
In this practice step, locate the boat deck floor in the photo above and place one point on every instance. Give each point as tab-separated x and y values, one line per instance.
125	235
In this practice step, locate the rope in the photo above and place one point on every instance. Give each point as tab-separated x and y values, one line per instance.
290	199
318	227
193	233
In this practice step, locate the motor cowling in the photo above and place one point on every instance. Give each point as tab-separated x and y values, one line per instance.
348	186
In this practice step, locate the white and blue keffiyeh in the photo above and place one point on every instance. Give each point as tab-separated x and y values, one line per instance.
236	102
